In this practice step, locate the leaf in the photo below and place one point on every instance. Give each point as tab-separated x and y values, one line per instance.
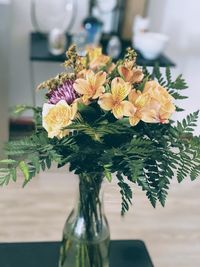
36	163
126	194
107	172
48	162
8	161
25	170
13	173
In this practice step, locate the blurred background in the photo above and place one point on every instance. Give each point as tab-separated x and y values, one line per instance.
33	37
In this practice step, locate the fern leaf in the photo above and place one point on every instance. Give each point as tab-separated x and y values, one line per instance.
126	194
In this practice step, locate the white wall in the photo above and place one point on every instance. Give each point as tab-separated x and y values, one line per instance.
21	90
4	70
180	20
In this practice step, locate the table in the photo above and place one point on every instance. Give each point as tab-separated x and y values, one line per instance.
39	51
123	253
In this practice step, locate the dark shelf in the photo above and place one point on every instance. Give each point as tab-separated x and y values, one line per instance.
123	253
39	52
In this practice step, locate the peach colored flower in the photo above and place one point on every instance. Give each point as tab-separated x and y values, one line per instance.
154	104
115	101
160	106
56	117
90	87
82	74
129	73
139	100
96	58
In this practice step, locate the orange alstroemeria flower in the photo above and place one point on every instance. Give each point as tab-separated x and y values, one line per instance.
129	73
90	87
96	58
154	104
160	106
115	101
139	100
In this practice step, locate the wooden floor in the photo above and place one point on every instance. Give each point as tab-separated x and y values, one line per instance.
38	212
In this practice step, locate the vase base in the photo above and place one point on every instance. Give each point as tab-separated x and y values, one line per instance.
78	253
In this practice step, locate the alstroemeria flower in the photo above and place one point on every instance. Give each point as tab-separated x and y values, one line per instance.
129	73
154	104
115	101
56	117
160	106
139	100
90	87
96	58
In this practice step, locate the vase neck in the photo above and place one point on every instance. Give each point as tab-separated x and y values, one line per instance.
89	205
90	193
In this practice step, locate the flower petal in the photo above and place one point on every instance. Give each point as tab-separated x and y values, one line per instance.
118	111
137	75
81	86
106	101
150	85
96	58
128	108
46	108
56	117
142	101
133	96
134	120
74	109
100	90
120	89
100	79
150	116
125	73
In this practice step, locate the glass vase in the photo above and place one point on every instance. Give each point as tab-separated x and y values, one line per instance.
86	234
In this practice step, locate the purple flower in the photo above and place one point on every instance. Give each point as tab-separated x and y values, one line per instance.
62	92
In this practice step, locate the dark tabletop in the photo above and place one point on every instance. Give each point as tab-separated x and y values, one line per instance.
123	253
39	52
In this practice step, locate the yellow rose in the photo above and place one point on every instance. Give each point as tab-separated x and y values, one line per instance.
56	117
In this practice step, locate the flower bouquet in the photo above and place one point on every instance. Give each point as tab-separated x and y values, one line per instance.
103	118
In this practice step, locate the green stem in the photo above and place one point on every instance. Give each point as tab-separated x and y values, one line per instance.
86	248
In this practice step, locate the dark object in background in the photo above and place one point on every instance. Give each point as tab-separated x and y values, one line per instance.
39	51
93	28
111	13
123	253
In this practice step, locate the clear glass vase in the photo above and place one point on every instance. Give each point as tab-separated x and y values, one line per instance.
86	234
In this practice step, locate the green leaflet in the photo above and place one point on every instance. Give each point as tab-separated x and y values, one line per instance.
8	161
25	170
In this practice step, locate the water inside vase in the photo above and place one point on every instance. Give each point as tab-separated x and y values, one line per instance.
81	253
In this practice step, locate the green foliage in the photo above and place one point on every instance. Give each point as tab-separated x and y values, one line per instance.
147	155
189	154
125	192
36	153
98	130
174	87
8	171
